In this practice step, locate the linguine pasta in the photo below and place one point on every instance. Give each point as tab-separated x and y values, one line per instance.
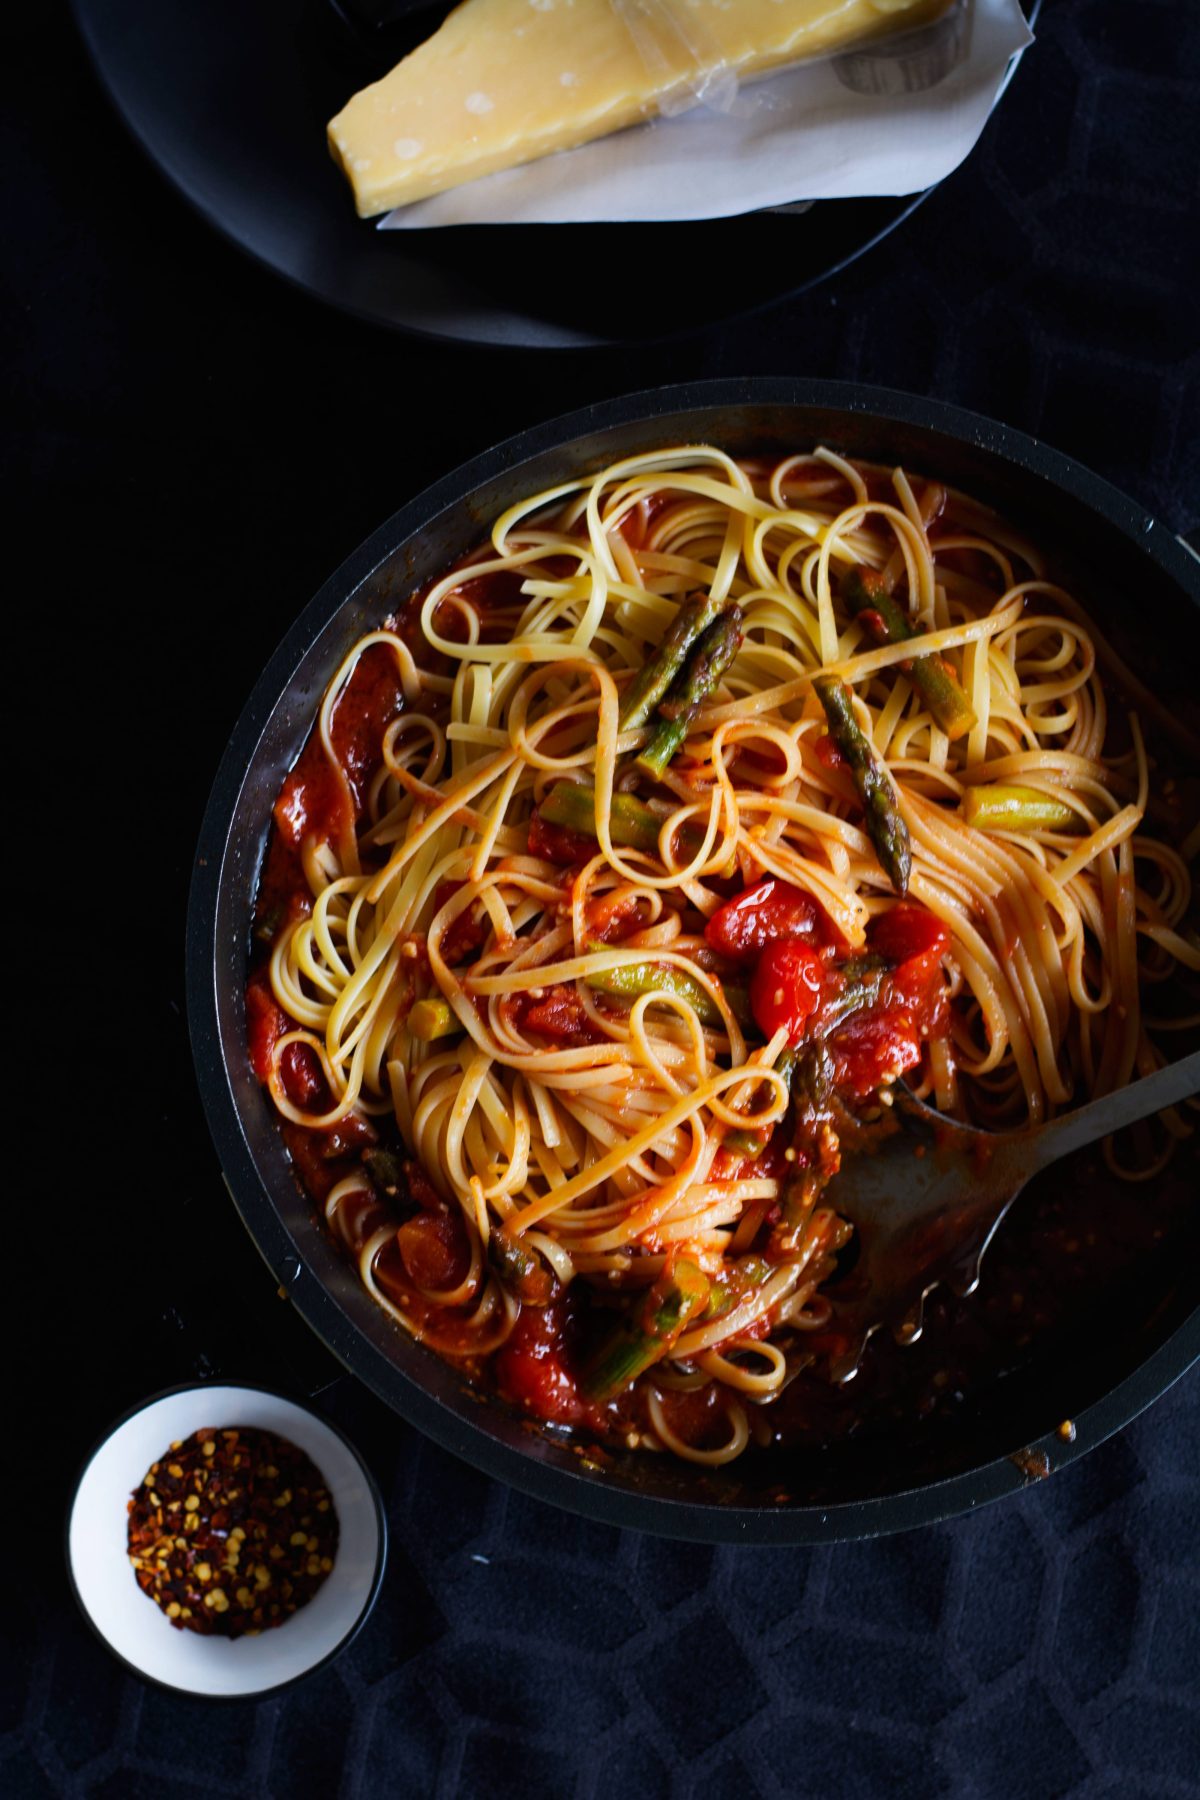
514	1040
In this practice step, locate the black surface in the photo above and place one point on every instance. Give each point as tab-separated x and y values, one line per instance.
1108	1370
192	448
231	102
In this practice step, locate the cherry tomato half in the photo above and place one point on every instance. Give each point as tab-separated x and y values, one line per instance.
767	913
905	931
785	988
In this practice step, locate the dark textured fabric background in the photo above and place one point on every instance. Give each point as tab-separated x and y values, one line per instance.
194	447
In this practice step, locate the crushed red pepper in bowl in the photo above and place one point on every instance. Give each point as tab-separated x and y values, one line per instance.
232	1531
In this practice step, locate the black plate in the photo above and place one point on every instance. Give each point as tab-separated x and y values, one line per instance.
1120	1359
230	98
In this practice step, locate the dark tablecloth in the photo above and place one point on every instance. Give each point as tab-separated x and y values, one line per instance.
193	448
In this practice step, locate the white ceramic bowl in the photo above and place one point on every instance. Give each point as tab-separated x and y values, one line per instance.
130	1623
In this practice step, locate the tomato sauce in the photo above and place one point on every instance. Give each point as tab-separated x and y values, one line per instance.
266	1023
611	919
466	935
313	799
827	752
640	520
452	1324
699	1417
323	1158
313	802
537	1369
554	843
558	1013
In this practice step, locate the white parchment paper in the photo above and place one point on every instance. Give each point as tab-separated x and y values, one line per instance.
890	118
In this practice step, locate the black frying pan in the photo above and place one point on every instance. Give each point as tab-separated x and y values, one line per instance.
1112	1362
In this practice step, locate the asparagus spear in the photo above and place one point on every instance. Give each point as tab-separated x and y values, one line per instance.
519	1268
862	977
747	1143
885	827
387	1173
812	1088
800	1194
681	1292
1000	808
629	980
652	681
735	1283
812	1082
886	623
701	676
429	1019
753	1143
572	807
809	1070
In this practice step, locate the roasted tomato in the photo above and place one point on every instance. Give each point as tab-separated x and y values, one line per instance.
303	1079
466	935
266	1023
535	1368
435	1250
905	931
786	988
767	913
882	1043
559	1014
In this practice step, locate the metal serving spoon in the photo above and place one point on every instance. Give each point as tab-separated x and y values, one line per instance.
928	1202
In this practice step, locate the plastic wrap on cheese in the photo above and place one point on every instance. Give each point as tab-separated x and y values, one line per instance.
504	82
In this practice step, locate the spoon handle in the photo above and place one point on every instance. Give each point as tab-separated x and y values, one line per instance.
1111	1112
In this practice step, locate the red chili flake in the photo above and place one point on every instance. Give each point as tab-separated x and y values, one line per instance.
232	1531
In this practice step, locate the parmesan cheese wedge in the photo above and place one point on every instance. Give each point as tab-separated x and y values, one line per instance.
504	82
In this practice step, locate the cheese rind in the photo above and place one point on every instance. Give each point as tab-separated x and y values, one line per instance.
503	82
